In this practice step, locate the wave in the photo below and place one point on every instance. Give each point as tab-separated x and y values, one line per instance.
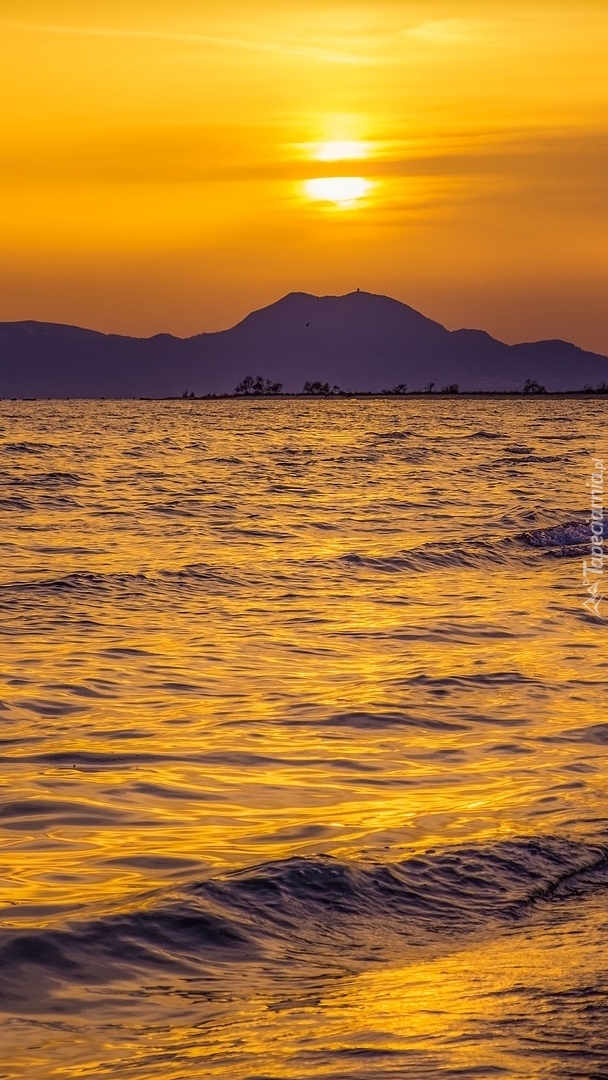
15	503
569	534
46	480
312	912
379	721
472	553
85	581
26	448
391	436
525	459
78	582
569	538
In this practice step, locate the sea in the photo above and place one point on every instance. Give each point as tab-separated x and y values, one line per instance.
303	740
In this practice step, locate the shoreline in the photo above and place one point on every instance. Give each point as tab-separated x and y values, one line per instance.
361	395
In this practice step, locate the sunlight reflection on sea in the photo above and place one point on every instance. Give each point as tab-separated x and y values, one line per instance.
311	638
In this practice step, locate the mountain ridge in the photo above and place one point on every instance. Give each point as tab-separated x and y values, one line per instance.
360	341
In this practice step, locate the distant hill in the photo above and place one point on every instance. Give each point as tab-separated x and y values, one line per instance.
360	341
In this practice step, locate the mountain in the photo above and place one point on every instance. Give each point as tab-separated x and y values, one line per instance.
360	341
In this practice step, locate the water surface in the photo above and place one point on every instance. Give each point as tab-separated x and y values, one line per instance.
303	740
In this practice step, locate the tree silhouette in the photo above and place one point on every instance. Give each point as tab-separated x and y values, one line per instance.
257	386
245	386
317	388
532	387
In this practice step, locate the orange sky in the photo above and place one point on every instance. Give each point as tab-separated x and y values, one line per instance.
165	166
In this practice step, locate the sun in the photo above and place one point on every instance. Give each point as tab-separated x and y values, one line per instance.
341	150
342	191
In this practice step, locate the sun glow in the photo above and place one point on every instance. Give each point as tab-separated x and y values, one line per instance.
154	153
341	150
344	191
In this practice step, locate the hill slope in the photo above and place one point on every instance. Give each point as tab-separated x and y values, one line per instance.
360	341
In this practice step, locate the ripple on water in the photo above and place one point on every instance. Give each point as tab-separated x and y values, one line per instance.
308	701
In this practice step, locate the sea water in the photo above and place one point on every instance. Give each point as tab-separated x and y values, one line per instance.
303	740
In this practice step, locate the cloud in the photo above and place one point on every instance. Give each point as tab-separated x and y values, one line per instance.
446	30
217	41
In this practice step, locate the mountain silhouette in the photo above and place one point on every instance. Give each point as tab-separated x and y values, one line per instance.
360	341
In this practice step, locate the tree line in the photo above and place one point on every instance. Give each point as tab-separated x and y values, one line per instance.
258	387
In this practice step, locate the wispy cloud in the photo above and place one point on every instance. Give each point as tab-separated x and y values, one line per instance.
446	30
219	41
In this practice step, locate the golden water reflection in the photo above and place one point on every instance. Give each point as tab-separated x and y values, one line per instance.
510	1005
233	634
